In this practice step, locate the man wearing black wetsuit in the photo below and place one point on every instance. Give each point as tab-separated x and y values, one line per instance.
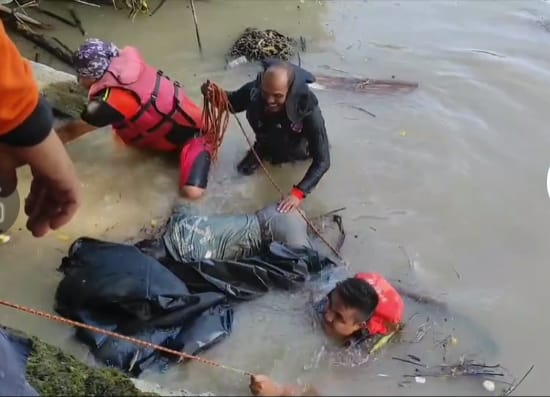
287	122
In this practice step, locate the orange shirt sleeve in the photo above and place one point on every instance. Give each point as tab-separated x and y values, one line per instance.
18	90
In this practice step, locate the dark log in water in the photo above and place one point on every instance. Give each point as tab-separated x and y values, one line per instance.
62	53
22	17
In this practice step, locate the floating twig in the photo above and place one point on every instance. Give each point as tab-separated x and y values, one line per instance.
422	331
332	212
489	53
468	368
404	360
328	67
63	45
362	110
24	18
58	17
196	24
415	358
409	261
87	4
77	21
456	271
512	388
43	43
444	375
157	7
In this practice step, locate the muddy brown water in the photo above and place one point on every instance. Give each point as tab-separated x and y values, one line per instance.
453	173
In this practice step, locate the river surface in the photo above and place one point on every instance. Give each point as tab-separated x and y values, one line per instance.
446	186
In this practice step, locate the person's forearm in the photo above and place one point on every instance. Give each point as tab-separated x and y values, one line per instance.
291	390
73	130
313	176
49	158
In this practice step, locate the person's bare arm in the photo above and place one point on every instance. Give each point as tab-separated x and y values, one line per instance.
73	130
100	112
262	385
54	196
26	137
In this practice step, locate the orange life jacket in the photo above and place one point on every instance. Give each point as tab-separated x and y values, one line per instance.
163	102
389	311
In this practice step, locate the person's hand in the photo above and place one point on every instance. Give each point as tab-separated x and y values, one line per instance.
207	89
54	195
262	385
288	204
51	203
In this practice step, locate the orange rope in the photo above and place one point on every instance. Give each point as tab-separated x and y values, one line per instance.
217	99
135	341
215	119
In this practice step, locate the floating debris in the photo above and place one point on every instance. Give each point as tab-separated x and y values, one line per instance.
236	62
257	45
489	385
4	238
63	237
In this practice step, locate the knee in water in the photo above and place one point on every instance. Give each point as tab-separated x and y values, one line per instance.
192	192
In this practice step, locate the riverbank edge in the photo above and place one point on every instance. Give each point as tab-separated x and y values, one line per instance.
52	372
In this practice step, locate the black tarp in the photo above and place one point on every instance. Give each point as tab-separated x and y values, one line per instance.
184	306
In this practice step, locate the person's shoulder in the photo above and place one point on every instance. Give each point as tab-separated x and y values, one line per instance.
120	99
249	85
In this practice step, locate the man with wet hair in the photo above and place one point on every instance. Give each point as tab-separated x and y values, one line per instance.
360	311
287	122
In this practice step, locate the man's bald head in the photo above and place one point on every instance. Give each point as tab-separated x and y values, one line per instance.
276	81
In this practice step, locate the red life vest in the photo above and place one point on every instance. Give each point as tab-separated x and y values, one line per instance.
389	311
163	102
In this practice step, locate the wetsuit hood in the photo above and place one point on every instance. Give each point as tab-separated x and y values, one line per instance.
300	100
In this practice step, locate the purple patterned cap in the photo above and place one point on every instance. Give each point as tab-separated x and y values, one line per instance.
93	57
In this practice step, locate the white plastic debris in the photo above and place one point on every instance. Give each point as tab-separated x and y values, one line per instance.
4	238
489	385
236	62
420	379
208	254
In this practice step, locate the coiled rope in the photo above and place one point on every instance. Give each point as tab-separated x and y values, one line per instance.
215	120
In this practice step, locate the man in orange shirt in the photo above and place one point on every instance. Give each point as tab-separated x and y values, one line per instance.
27	137
145	108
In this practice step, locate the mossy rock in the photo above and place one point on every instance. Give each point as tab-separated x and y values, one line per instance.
54	373
61	89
